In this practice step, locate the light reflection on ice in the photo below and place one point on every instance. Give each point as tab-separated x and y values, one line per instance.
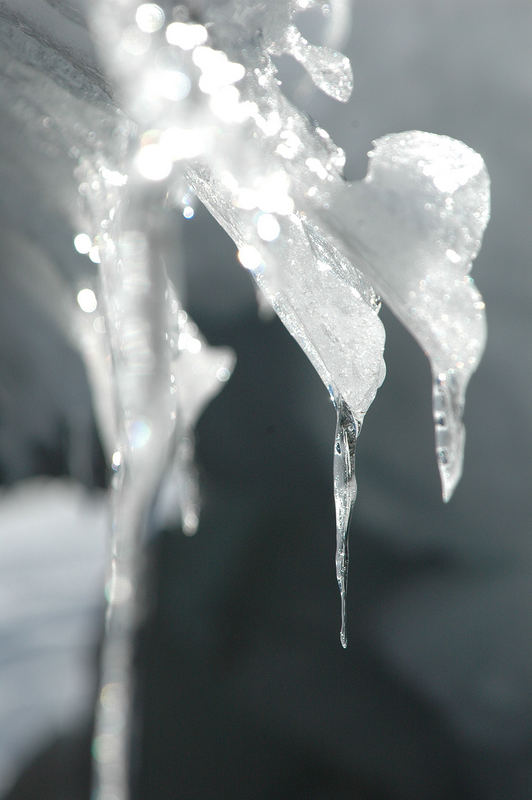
82	243
87	300
149	17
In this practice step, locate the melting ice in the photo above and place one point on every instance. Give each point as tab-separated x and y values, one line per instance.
321	249
211	114
201	112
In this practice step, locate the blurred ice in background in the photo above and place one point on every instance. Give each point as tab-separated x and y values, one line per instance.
53	544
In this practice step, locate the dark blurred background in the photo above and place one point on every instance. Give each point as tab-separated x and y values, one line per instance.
243	688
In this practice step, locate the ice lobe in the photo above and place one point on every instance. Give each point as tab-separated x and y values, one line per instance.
321	298
151	366
431	196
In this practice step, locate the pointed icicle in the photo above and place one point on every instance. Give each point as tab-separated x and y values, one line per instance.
345	492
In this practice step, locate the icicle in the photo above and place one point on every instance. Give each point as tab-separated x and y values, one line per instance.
431	195
448	406
199	372
134	297
345	492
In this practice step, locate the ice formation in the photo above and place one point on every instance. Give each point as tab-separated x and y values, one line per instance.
190	104
213	120
152	367
205	95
